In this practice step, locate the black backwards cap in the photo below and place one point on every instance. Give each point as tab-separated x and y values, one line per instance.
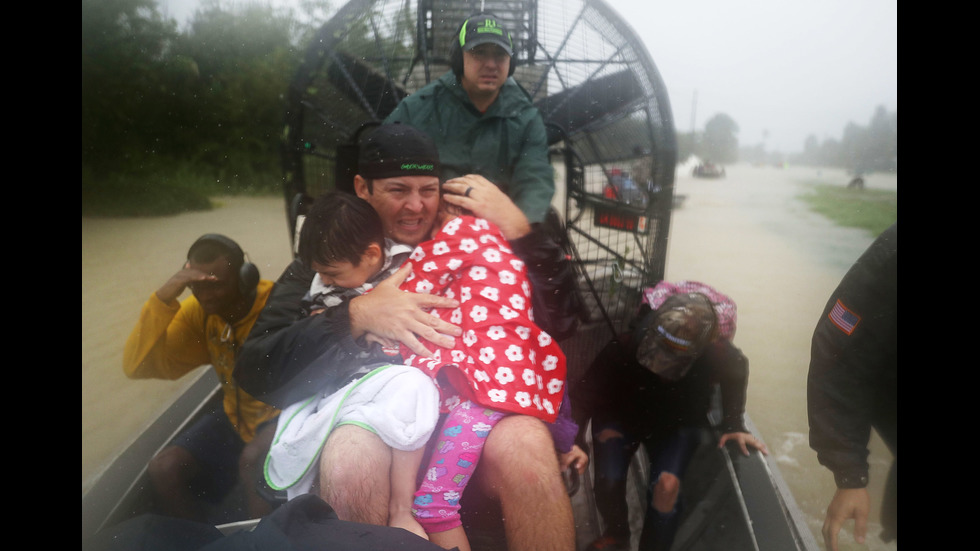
397	150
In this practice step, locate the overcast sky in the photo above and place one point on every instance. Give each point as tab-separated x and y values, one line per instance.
782	69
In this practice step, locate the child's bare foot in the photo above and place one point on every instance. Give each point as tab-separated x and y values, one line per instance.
407	521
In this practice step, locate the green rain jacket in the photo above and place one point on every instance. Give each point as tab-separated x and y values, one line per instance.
507	145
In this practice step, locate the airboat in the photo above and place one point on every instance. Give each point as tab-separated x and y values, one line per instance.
607	113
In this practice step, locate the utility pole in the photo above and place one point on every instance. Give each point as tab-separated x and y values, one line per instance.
694	111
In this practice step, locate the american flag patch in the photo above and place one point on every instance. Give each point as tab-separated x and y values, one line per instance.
844	319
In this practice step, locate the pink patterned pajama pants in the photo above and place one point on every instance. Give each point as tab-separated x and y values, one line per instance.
460	443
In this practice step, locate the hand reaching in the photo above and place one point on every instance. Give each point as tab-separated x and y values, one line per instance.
485	200
576	458
848	503
390	313
744	440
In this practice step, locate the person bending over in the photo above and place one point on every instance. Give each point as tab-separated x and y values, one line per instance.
653	387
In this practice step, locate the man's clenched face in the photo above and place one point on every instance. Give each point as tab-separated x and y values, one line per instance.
407	205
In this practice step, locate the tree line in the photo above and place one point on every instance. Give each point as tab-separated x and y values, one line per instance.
171	116
861	150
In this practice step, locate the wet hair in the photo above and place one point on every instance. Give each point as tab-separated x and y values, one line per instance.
339	227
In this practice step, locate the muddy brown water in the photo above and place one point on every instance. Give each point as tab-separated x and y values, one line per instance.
747	235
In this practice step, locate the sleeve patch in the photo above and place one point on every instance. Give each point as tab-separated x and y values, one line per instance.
845	319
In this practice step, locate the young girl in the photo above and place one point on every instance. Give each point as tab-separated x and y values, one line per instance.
502	364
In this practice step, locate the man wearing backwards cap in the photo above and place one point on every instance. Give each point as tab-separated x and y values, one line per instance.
482	121
653	387
280	362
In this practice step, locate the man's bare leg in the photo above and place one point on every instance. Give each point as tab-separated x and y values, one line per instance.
170	472
354	475
404	468
519	467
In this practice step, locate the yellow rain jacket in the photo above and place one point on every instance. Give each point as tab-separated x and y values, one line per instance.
171	340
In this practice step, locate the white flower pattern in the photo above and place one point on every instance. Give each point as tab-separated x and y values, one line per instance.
529	377
497	395
478	313
468	245
487	355
491	255
478	273
490	293
504	375
440	248
550	362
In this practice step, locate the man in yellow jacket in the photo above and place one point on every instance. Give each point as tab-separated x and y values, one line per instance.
172	339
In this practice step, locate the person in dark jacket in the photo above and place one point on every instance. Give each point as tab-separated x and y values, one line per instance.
654	387
853	386
283	359
482	120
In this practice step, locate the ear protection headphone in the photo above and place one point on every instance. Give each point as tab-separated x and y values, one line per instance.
456	51
248	274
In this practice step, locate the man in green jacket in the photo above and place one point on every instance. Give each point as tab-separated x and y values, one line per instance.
482	121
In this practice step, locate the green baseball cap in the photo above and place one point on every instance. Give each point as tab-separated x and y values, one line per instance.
484	28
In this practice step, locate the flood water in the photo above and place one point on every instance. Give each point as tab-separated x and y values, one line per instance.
747	235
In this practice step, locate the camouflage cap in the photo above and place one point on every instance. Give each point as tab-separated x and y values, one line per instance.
676	334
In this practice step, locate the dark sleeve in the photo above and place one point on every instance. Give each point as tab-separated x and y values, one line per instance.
564	429
733	379
532	183
593	391
853	357
289	355
555	296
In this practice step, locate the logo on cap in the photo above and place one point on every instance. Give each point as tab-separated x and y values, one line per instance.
417	166
489	26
